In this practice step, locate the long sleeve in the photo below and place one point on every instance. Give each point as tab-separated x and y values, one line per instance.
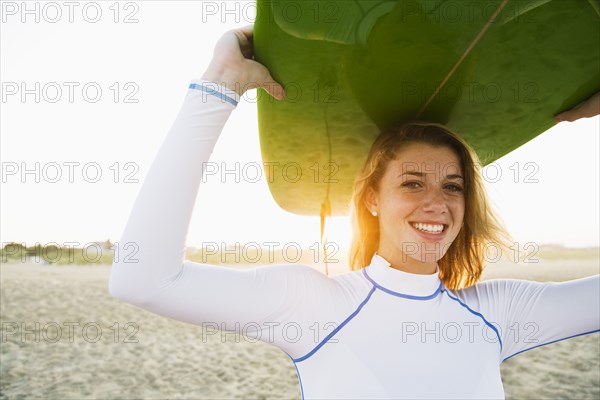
277	304
530	314
158	224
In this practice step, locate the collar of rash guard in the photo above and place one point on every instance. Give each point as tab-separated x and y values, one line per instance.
402	283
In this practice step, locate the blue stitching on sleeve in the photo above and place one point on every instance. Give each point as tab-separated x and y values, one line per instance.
336	330
554	341
299	378
214	92
476	313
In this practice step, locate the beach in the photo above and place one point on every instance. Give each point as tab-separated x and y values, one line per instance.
65	337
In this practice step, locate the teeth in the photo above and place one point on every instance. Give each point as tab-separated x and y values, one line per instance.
429	228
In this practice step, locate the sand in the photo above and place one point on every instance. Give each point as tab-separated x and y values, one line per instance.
99	356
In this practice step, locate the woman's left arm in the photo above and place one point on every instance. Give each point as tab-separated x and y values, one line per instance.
588	108
532	314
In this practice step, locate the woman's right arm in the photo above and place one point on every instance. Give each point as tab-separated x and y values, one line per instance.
259	301
158	224
152	246
151	271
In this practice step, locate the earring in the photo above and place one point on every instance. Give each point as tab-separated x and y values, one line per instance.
374	213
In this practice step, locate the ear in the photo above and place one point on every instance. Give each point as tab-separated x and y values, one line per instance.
371	199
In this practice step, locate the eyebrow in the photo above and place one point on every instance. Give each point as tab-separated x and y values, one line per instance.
422	174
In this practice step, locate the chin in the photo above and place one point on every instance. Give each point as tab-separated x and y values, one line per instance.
429	253
426	257
429	258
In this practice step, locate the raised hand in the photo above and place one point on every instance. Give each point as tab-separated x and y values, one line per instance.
586	109
233	65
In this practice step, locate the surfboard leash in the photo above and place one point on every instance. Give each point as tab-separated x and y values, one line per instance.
326	205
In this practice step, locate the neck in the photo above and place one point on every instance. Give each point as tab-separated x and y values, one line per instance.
402	262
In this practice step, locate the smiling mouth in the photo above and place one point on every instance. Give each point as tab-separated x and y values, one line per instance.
429	228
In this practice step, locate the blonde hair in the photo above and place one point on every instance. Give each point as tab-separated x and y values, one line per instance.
464	261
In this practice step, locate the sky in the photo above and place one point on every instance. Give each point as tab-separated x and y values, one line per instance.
111	78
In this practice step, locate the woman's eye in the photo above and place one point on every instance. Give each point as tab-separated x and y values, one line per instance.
412	184
454	188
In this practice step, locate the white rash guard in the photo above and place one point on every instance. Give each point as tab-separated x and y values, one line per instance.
374	333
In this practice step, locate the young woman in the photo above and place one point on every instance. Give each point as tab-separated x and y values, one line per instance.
409	320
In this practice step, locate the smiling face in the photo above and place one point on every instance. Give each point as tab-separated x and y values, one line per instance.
420	205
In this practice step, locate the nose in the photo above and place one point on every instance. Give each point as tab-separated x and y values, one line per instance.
435	201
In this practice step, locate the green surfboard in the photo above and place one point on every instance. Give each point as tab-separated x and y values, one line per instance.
494	71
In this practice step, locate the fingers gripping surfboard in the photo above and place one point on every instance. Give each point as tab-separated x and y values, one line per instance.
495	71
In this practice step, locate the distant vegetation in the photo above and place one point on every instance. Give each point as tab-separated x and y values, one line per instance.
93	253
248	256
